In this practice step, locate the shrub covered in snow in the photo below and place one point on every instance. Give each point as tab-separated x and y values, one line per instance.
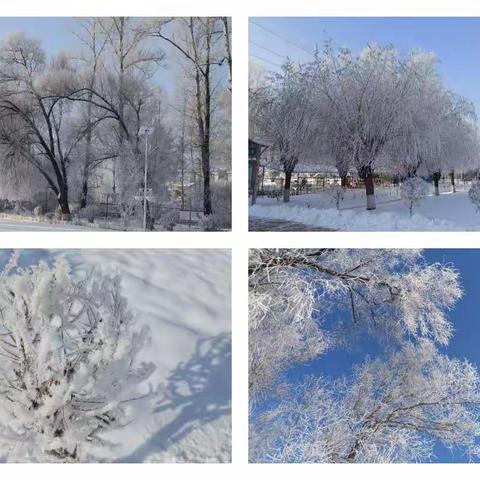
88	213
38	211
474	194
169	219
212	223
413	190
337	194
68	371
222	201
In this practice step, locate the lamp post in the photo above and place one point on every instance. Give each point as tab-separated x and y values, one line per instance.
146	131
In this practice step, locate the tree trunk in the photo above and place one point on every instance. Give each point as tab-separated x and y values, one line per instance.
203	114
369	190
63	200
286	187
344	181
88	157
84	194
436	178
182	156
255	168
452	180
226	31
366	174
207	202
121	103
88	141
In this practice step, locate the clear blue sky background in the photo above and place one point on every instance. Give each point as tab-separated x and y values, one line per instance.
465	343
454	40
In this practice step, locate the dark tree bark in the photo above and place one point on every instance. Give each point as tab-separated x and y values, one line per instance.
366	174
436	179
88	158
286	187
452	180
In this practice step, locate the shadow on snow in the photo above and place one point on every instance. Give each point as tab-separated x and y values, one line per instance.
199	389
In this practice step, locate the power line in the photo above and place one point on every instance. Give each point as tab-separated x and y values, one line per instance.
272	32
267	49
265	60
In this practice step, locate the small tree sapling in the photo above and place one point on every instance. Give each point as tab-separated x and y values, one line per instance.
413	190
337	194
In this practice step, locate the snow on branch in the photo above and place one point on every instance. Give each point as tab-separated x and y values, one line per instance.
388	294
392	409
68	371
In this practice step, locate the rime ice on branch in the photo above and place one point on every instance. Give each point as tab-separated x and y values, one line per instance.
68	369
307	302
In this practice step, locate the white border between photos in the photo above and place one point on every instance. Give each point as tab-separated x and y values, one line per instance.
239	239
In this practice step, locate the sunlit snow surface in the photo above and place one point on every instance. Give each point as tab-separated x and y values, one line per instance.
447	212
184	297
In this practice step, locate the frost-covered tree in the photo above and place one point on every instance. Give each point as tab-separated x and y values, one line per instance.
459	136
392	409
94	40
78	122
416	147
396	407
205	44
34	127
412	190
68	369
365	95
337	194
284	114
376	112
389	294
474	194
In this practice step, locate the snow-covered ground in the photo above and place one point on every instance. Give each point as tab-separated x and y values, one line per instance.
184	297
447	212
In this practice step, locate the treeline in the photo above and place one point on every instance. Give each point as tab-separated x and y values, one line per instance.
375	111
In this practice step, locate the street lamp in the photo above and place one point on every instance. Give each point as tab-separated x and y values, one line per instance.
146	131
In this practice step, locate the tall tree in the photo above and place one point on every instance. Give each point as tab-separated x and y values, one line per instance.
94	40
33	110
199	46
283	112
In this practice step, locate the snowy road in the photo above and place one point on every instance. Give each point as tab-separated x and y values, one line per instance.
11	226
271	225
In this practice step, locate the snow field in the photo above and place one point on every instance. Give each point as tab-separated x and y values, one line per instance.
447	212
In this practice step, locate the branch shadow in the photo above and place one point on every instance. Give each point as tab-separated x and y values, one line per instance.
200	389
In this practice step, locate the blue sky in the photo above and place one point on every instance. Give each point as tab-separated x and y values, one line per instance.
454	40
464	344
